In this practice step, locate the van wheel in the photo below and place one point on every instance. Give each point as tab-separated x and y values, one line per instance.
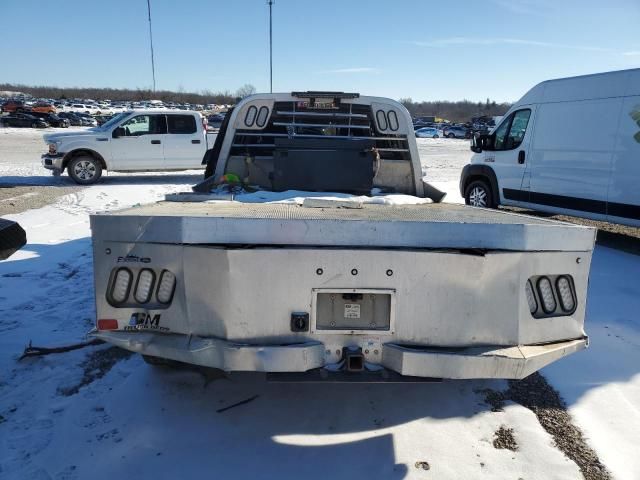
478	194
84	169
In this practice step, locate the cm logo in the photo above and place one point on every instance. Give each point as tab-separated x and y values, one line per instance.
144	320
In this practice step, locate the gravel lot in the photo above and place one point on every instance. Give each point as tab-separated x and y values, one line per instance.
24	184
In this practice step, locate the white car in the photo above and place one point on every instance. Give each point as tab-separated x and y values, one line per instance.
428	132
546	155
83	108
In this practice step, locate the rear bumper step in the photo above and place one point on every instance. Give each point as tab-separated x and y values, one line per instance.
514	362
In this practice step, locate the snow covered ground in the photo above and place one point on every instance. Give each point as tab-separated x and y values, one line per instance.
96	413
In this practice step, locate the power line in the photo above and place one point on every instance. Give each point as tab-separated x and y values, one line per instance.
270	3
153	66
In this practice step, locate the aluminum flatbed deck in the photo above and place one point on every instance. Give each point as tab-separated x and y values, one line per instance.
431	226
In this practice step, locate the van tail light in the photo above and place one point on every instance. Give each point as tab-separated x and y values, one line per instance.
107	324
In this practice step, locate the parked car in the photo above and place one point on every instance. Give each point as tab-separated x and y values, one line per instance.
24	120
102	119
581	159
104	110
428	132
87	120
136	140
12	106
457	132
371	291
43	107
53	119
215	120
83	108
74	119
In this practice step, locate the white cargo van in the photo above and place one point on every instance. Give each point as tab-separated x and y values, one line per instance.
568	146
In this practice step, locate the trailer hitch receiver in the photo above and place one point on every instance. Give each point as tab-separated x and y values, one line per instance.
353	359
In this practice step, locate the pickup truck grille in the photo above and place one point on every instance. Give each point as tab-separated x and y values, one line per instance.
348	121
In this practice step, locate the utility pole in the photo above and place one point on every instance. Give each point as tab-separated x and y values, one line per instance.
153	66
270	3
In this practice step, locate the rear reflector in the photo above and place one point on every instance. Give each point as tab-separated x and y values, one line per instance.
107	324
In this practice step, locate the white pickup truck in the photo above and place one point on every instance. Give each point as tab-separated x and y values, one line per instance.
378	285
140	140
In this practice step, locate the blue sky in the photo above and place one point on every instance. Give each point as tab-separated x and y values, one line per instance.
426	50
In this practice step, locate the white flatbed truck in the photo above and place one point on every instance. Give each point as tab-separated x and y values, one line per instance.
343	286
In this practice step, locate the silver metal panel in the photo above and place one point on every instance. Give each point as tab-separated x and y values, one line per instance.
414	226
247	295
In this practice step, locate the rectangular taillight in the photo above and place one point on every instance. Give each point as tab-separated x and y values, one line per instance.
107	324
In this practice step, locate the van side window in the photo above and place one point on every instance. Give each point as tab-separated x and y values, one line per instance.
518	129
182	124
510	133
501	133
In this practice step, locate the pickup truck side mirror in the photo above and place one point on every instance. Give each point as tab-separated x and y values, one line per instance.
118	132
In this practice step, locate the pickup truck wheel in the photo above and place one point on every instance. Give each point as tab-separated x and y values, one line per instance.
84	169
478	194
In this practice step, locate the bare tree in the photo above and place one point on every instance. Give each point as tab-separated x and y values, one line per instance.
245	90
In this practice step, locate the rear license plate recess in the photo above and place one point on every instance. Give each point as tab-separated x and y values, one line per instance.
353	310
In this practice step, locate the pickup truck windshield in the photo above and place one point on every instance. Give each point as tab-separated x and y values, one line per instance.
113	121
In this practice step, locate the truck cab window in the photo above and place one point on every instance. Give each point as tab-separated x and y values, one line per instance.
510	133
145	125
182	124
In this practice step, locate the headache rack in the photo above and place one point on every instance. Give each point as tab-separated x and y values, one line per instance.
349	121
309	139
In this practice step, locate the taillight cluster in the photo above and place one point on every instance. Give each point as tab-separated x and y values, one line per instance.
149	288
551	295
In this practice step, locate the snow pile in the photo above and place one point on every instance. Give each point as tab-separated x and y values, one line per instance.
298	196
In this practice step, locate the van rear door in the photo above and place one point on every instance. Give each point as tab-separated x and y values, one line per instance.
571	155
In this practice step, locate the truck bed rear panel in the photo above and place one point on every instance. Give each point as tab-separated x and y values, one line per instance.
407	226
439	299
